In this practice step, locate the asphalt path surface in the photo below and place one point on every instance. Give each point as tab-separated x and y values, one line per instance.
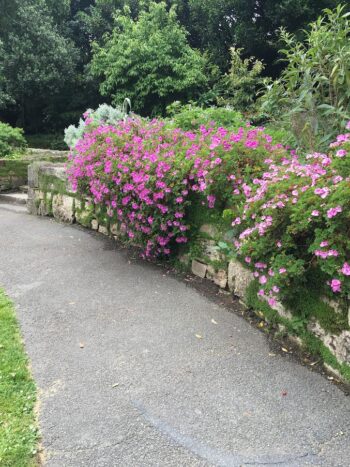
136	368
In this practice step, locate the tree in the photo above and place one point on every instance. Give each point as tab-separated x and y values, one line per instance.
312	96
37	60
249	24
149	60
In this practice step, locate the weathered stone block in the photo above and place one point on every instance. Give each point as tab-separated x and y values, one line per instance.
115	229
339	345
219	277
63	208
199	269
280	308
239	278
103	230
45	205
84	214
210	250
33	173
94	224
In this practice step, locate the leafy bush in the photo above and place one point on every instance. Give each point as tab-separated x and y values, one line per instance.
104	114
141	174
243	81
294	222
191	117
312	95
12	140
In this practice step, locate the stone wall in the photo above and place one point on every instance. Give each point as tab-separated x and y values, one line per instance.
13	172
51	195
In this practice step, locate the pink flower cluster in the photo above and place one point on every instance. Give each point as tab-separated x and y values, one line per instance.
291	206
144	175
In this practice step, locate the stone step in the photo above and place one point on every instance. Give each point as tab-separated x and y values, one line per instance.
23	189
13	198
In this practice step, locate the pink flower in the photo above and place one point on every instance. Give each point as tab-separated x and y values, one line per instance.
332	212
261	293
260	265
333	253
323	244
263	280
323	192
282	270
271	301
315	213
211	201
341	153
346	269
335	285
248	259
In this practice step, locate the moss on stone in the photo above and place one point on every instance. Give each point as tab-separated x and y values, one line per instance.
297	327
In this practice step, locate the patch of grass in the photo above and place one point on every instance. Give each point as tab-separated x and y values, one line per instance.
18	430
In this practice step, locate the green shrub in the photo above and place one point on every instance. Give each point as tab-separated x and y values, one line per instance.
191	117
240	86
12	140
312	95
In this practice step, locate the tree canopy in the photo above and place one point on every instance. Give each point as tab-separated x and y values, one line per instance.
48	49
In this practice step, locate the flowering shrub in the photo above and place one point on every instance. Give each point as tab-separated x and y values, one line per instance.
295	220
141	174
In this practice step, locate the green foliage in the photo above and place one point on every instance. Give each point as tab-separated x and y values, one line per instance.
47	141
18	431
11	140
191	117
149	60
37	59
297	326
312	95
306	303
242	82
249	24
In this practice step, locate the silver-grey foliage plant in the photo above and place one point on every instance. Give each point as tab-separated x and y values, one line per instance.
104	114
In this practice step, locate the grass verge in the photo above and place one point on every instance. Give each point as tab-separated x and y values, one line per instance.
18	429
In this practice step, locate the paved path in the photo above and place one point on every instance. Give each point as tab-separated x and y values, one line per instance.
125	381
